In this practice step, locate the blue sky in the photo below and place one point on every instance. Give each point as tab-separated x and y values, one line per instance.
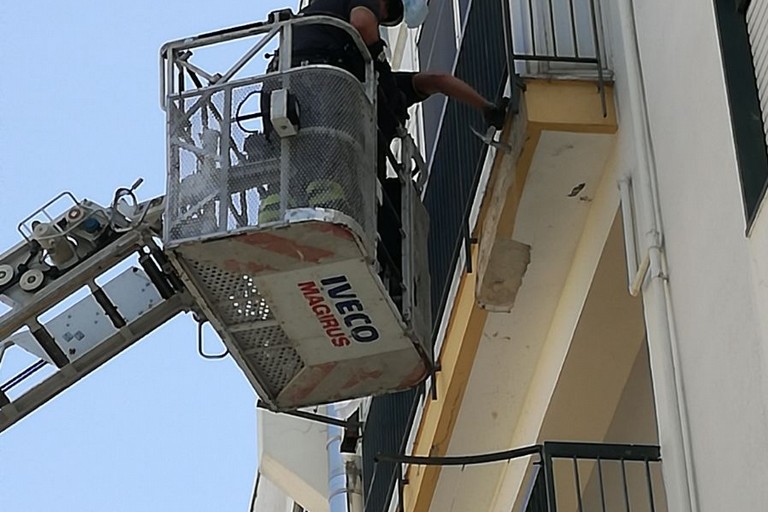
158	428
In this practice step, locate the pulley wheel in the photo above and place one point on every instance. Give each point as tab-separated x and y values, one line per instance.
32	280
6	274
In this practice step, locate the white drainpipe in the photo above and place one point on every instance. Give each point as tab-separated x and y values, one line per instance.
345	482
669	390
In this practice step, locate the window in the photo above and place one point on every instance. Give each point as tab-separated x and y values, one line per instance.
739	21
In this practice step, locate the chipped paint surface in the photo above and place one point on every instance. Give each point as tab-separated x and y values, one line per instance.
311	378
285	247
271	267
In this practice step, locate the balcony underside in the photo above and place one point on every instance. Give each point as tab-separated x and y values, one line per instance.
500	369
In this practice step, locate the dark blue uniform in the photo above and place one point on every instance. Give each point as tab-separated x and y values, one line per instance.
329	45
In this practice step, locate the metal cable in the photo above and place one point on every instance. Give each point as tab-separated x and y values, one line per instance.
465	460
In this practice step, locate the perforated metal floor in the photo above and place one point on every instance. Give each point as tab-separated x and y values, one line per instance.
259	337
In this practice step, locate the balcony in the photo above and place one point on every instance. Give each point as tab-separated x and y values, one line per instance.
474	194
569	476
599	477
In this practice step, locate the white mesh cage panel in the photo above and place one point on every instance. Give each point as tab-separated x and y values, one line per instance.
224	176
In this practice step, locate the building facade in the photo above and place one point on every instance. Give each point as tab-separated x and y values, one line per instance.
599	279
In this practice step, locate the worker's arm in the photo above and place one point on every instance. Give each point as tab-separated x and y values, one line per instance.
367	23
364	17
443	83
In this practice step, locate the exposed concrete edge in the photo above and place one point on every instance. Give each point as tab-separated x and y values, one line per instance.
556	105
503	276
494	292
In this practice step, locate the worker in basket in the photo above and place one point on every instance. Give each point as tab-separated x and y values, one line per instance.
322	44
397	92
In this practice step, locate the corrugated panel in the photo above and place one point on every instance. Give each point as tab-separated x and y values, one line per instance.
463	8
757	24
460	154
387	425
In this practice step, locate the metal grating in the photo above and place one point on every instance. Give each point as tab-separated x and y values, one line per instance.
269	336
332	157
268	352
245	313
234	295
437	52
459	155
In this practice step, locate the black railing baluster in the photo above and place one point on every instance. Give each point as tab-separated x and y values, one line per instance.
624	482
533	28
549	477
400	489
600	478
650	485
578	483
509	43
599	56
541	493
553	27
574	35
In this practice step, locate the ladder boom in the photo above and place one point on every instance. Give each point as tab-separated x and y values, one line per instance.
43	272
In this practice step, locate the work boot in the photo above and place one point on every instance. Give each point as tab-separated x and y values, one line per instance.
495	115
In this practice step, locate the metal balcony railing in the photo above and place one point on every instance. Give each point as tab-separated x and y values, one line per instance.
558	38
558	31
594	477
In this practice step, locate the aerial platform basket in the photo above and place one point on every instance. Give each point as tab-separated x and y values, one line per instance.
275	233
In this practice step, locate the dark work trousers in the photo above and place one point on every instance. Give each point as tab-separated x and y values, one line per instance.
389	218
389	224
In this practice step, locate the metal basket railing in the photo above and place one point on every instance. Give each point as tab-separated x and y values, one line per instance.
225	176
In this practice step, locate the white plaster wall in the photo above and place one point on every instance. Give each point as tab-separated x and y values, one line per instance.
292	454
718	277
758	244
270	498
